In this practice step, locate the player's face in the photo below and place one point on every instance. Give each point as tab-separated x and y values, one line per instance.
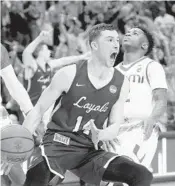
45	52
134	38
108	47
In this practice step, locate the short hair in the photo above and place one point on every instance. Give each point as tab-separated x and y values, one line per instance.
96	30
150	39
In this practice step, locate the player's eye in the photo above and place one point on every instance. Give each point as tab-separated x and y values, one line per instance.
110	39
135	33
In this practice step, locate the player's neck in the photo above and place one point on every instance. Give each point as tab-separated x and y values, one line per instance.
130	57
97	69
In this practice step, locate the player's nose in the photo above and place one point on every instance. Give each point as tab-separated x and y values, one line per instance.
116	47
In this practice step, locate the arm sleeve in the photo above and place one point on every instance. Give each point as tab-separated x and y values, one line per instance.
156	76
4	58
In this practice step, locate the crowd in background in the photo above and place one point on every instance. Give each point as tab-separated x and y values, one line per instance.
68	23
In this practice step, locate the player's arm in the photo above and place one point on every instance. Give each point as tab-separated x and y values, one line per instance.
116	115
27	56
159	92
115	118
15	88
60	83
65	61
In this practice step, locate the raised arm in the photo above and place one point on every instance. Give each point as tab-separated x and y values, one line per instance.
65	61
27	55
49	96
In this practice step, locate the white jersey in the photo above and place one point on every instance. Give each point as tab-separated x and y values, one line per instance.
144	75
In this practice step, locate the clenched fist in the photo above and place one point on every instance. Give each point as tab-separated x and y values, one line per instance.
45	36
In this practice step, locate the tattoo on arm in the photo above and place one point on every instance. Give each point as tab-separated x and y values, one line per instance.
160	103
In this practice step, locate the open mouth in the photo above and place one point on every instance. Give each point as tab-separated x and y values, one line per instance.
125	39
113	55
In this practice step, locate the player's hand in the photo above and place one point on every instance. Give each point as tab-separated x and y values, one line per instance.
95	134
111	146
45	36
38	134
5	167
148	128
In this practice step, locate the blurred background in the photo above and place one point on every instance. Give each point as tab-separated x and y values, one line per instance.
68	21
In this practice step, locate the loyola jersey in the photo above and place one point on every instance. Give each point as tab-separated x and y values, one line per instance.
83	103
39	82
139	104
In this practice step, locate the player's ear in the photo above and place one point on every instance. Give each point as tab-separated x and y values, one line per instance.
94	45
144	46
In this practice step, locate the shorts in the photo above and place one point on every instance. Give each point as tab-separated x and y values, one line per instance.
35	158
136	147
85	162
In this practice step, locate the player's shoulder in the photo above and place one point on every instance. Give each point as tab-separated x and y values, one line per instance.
64	77
154	65
68	69
117	72
66	73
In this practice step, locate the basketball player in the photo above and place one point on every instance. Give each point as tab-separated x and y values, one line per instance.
40	69
38	74
18	93
147	100
92	92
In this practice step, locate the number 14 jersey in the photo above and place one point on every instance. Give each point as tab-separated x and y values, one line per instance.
83	103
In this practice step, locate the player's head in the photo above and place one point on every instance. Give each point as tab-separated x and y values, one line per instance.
138	39
43	51
104	43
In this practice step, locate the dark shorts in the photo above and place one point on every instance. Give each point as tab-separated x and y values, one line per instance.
85	162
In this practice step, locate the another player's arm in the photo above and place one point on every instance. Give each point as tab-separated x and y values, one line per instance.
159	92
160	103
15	88
27	56
65	61
60	83
160	106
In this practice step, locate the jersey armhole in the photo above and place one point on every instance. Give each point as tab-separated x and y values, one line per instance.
147	78
77	69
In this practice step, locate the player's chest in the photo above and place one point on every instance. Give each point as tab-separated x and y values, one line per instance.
137	75
83	96
43	77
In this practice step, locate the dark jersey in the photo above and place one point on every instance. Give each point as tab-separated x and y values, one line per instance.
84	102
38	83
4	58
